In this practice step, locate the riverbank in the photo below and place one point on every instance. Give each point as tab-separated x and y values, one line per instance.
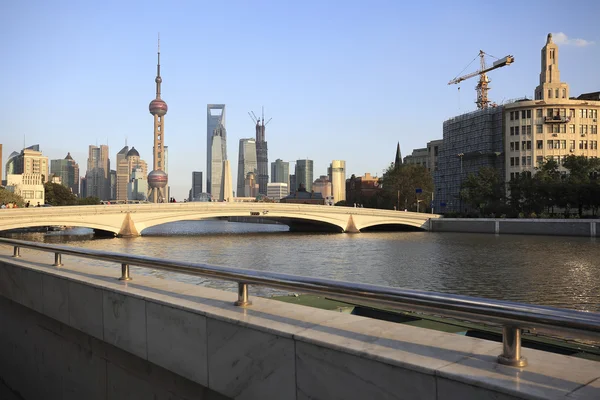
551	227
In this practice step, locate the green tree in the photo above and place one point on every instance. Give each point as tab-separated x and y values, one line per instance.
400	184
484	191
582	182
59	195
88	201
6	196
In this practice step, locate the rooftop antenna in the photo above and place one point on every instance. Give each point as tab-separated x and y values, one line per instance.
125	141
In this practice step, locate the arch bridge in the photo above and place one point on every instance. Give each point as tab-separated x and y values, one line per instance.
128	220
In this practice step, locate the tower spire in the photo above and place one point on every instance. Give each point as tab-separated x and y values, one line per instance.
158	79
398	160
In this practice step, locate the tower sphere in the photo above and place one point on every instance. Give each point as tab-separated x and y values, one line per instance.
158	107
157	179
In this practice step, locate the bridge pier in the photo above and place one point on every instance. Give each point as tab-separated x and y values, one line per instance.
351	226
128	228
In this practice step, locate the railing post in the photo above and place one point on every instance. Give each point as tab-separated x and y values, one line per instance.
125	273
511	347
17	252
243	295
57	260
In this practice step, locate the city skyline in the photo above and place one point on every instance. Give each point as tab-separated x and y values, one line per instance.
333	88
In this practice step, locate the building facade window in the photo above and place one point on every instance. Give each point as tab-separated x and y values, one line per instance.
539	128
539	161
540	144
539	113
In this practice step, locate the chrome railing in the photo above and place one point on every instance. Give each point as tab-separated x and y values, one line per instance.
512	316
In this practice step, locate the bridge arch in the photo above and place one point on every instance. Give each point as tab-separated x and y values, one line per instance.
296	223
104	228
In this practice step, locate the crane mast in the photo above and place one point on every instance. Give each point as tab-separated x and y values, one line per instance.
482	86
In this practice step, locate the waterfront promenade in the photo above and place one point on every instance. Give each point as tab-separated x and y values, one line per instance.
78	331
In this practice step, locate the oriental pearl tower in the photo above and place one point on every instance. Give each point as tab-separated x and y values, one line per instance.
157	179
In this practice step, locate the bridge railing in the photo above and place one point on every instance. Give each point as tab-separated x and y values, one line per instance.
512	316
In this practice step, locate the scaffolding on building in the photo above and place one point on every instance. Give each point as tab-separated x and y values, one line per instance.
471	141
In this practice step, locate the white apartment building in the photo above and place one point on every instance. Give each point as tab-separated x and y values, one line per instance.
29	186
551	126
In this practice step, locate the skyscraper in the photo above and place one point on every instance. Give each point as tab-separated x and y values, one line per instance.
196	185
68	171
226	185
122	174
127	165
280	172
262	157
337	176
10	164
215	126
31	161
246	164
216	179
304	174
158	179
98	172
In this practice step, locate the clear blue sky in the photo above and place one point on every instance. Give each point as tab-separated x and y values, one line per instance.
341	79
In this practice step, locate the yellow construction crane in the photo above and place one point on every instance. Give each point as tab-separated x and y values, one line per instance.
482	87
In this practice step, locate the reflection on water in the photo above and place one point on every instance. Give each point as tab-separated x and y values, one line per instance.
556	271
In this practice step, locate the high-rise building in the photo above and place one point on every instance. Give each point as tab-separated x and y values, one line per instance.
125	168
277	190
337	176
215	126
322	185
246	164
113	184
226	185
98	172
10	166
68	172
123	174
158	178
137	188
553	126
433	150
262	157
216	178
280	173
293	187
31	161
196	185
304	174
250	186
83	187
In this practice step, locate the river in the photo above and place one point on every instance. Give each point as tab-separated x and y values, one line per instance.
556	271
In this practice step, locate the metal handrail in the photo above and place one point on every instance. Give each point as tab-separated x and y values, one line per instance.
514	317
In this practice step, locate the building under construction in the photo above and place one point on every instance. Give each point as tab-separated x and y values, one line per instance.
262	152
471	141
